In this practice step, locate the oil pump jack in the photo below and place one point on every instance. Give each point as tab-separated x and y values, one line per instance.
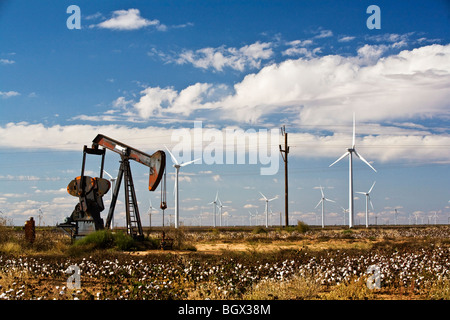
85	218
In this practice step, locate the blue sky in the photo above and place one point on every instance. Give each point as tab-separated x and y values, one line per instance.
139	71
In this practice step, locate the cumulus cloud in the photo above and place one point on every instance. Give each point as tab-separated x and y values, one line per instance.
156	101
249	56
378	143
316	91
130	19
388	93
327	89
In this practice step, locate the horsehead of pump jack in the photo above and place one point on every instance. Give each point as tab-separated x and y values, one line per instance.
349	153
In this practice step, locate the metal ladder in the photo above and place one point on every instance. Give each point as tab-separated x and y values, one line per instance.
134	227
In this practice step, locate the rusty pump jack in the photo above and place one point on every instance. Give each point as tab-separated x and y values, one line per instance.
90	190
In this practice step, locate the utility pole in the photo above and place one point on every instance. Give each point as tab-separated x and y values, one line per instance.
285	159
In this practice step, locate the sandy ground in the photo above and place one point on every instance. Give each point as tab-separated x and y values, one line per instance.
219	247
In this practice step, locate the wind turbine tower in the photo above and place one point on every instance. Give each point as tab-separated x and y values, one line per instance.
322	200
177	167
215	206
113	181
367	194
220	206
150	211
349	153
267	207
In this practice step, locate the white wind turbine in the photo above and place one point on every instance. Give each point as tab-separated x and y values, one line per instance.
250	217
267	207
344	211
113	180
322	200
220	206
367	194
215	206
177	167
150	211
349	153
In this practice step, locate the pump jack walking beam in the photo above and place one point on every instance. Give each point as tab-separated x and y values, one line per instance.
155	162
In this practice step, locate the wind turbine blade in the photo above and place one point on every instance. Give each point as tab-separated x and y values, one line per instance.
343	156
263	195
372	187
321	190
217	196
364	160
354	134
108	174
273	198
318	203
330	200
189	162
370	201
361	192
172	156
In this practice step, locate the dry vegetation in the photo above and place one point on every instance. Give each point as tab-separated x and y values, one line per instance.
414	263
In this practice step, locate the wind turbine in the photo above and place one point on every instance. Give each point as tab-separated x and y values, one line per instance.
215	206
267	207
367	194
113	180
349	153
322	200
344	211
220	206
435	217
177	167
150	211
40	216
250	215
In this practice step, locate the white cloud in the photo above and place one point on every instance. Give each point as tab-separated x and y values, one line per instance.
129	20
8	94
223	57
316	91
324	34
7	61
156	101
73	137
94	16
327	89
346	39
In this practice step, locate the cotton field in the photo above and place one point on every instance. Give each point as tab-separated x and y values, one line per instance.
410	269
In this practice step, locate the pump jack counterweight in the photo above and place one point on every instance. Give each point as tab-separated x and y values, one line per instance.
90	190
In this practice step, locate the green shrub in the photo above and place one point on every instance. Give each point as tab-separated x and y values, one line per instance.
102	239
259	230
302	227
124	242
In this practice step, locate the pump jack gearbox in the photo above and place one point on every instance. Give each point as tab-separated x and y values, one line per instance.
86	218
